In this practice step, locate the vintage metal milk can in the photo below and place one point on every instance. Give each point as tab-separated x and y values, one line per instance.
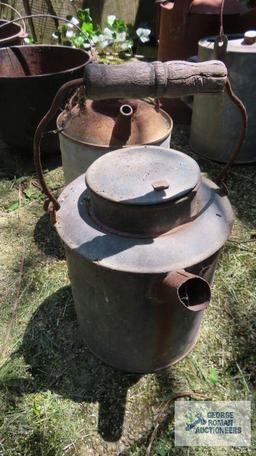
142	229
215	120
97	127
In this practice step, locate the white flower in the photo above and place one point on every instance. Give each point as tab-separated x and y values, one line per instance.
126	45
87	46
107	33
74	20
143	34
69	33
120	37
111	20
103	42
95	39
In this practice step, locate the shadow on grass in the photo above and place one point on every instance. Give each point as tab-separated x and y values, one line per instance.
241	179
60	362
243	326
47	239
19	163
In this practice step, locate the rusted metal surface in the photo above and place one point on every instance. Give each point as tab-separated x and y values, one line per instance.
99	123
100	126
123	127
29	79
189	296
140	79
151	79
11	34
131	204
185	22
126	280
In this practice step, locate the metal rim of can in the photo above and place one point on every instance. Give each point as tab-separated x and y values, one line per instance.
47	75
105	146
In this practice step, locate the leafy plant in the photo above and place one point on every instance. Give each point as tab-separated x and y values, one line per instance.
29	39
115	38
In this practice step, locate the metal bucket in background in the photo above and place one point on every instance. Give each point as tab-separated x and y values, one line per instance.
29	79
183	24
11	34
101	126
216	121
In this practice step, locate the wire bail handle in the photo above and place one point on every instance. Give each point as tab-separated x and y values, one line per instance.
19	18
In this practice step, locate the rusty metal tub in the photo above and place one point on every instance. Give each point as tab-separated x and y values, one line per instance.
29	78
11	34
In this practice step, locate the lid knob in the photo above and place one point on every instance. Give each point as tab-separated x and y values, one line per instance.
250	37
160	185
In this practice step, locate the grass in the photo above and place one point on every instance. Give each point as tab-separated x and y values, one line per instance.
56	398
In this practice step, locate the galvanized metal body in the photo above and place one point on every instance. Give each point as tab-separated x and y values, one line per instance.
29	79
11	34
92	132
216	120
127	234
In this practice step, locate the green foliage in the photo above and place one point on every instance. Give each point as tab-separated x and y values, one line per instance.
29	39
116	38
213	375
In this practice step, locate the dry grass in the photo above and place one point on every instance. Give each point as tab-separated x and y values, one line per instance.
56	398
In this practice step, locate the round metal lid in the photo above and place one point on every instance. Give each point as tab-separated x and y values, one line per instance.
143	175
245	43
178	249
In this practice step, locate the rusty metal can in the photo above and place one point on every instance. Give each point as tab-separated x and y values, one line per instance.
142	230
101	126
216	121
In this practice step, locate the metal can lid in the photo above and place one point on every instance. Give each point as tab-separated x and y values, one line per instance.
143	175
238	43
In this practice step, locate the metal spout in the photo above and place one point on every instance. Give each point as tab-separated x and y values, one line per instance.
185	289
123	125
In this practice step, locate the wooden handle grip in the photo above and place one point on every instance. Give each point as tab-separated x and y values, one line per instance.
142	79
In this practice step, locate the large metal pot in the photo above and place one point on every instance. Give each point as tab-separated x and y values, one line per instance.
142	232
29	79
215	120
10	34
101	126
